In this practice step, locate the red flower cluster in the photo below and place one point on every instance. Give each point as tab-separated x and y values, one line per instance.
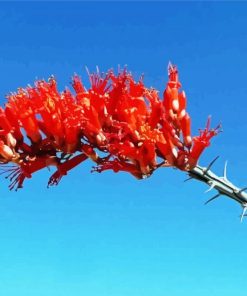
118	123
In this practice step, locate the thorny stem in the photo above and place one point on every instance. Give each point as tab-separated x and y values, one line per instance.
221	184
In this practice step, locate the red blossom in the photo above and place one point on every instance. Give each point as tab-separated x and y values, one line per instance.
118	123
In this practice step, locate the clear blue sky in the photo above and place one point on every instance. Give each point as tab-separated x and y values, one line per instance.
108	234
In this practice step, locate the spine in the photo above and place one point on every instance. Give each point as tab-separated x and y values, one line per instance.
221	184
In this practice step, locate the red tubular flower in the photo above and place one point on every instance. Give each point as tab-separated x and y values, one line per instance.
123	119
201	142
5	126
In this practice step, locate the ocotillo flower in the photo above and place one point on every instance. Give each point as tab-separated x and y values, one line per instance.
120	117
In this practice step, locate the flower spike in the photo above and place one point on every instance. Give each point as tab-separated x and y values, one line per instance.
118	123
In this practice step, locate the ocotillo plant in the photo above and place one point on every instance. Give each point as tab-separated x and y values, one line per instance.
118	123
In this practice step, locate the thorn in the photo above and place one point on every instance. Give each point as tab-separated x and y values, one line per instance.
243	213
212	198
211	163
212	184
243	189
188	179
225	167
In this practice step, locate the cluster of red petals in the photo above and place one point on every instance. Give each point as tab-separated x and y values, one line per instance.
118	123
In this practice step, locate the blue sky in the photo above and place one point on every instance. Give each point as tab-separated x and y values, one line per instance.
108	234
